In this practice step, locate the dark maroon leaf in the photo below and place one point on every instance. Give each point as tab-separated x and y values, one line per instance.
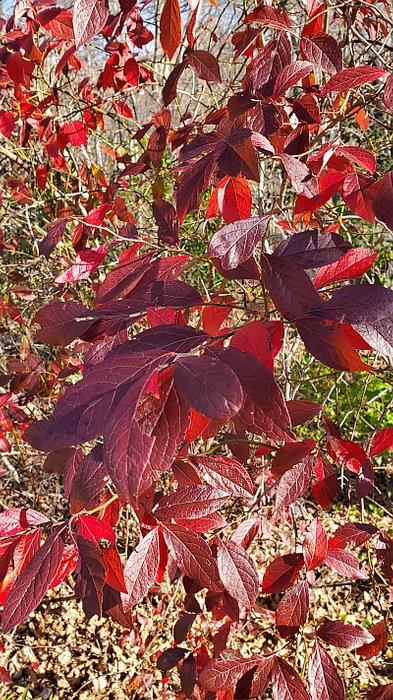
380	692
293	609
238	573
170	88
290	288
170	658
328	342
323	678
88	481
188	675
83	412
369	309
235	243
209	386
344	636
30	587
312	248
166	220
365	479
91	576
183	626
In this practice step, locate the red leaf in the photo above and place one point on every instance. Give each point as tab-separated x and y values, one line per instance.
255	338
75	132
204	64
287	684
209	386
358	192
315	545
246	531
354	263
224	473
350	78
103	536
190	502
88	17
323	51
170	27
289	76
323	678
30	587
281	573
293	609
234	198
7	123
345	563
193	556
87	261
347	452
5	677
290	454
238	573
141	569
380	633
235	243
344	636
294	483
382	441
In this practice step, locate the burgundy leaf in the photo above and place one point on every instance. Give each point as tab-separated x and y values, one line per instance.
170	27
294	483
170	658
141	569
344	636
302	411
287	684
222	674
293	609
224	473
345	563
192	555
190	502
204	64
323	678
246	531
290	76
350	78
235	243
388	93
238	573
209	386
88	481
282	573
365	479
30	587
355	533
315	545
291	289
91	576
380	692
323	51
328	342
